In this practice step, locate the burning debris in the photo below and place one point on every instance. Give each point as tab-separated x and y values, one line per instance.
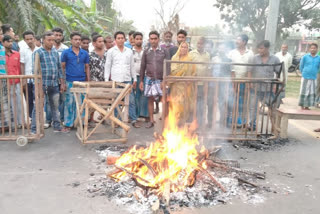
175	171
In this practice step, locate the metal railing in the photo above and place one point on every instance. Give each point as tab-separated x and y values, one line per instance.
219	103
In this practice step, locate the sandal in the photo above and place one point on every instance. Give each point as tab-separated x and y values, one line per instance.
135	125
150	125
317	130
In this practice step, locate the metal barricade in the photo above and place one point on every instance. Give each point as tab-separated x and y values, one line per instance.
15	124
226	100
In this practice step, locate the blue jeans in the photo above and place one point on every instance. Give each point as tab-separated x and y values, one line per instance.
61	108
52	93
132	105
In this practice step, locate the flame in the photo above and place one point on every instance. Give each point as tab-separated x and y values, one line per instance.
172	159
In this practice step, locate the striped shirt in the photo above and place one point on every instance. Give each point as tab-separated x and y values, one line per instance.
50	66
2	60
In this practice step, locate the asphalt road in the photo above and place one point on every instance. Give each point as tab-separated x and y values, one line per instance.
37	179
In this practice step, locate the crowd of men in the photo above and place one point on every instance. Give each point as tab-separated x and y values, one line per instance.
138	63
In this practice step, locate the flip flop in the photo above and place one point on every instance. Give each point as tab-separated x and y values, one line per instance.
150	125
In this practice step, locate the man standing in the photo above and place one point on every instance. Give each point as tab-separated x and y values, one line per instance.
13	65
7	30
202	70
309	67
265	93
4	99
108	42
285	57
181	37
26	64
130	42
97	59
51	77
38	41
75	63
167	40
141	100
58	39
241	55
2	57
119	65
152	68
60	47
85	41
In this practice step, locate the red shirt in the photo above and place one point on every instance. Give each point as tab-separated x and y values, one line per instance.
13	65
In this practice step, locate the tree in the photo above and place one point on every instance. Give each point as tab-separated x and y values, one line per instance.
41	15
117	23
169	18
253	14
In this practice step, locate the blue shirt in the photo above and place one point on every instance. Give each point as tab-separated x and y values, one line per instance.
75	65
2	60
309	66
15	46
50	66
128	44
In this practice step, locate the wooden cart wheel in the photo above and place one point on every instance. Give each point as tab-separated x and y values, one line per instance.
22	141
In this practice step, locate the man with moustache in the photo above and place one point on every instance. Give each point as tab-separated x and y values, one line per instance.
141	100
26	64
97	59
75	63
119	67
52	75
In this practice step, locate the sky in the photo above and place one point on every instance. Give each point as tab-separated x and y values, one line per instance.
195	12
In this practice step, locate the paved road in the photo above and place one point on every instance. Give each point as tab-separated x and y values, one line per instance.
36	179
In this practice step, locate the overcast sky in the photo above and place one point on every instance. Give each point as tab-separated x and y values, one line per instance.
195	13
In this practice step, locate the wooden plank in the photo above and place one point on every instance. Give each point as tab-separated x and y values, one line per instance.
284	127
119	140
22	107
205	105
9	107
299	112
2	107
85	129
80	126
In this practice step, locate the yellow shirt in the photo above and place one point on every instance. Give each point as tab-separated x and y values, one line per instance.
201	70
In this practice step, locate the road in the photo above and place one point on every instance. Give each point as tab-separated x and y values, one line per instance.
37	179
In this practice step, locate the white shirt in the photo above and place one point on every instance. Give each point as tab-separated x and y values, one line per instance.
61	48
120	65
137	56
237	57
91	47
22	45
26	58
287	60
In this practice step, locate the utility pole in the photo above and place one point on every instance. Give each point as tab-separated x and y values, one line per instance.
272	23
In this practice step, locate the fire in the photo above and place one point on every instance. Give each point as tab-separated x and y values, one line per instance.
172	159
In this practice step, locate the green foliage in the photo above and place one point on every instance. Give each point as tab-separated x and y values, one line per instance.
253	14
41	15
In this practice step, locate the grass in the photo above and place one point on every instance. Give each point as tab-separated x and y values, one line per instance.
293	87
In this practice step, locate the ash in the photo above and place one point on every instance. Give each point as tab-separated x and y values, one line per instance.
203	194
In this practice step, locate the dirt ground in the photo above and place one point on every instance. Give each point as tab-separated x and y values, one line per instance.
39	178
